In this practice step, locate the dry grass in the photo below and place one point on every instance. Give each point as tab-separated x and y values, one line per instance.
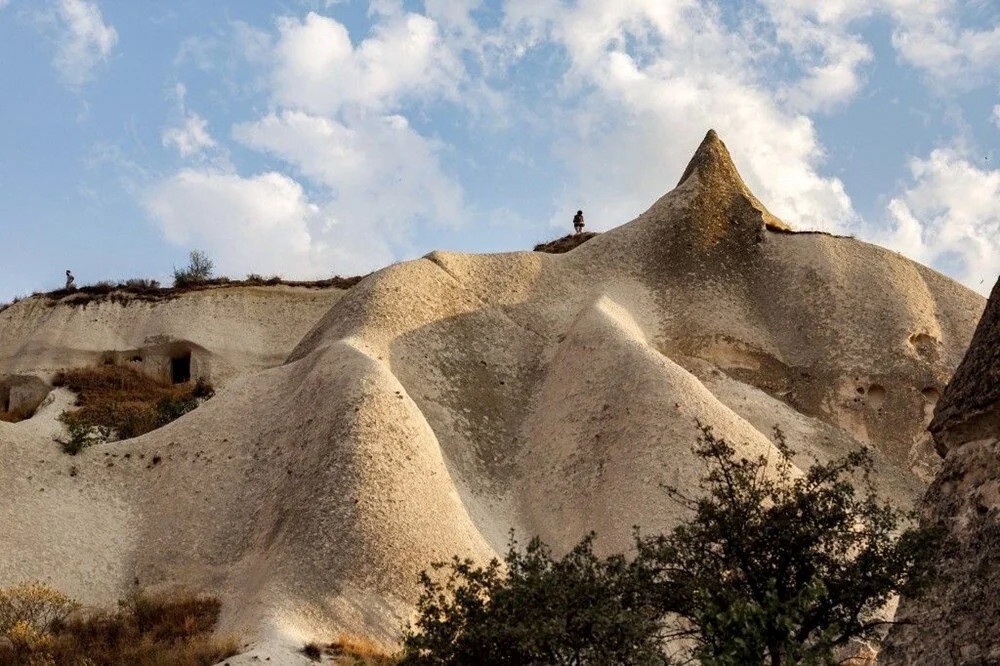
117	402
16	415
33	605
151	291
350	650
145	631
566	243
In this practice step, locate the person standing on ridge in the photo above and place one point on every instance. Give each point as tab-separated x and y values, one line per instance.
578	222
70	280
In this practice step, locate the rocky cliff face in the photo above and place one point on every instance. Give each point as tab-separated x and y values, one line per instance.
958	621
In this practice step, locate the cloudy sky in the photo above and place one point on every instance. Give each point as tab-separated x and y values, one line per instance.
311	138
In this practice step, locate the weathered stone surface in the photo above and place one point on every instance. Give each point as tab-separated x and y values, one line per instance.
22	394
958	620
970	406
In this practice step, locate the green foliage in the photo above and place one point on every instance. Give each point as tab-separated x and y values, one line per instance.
80	434
772	567
198	270
775	567
171	407
537	609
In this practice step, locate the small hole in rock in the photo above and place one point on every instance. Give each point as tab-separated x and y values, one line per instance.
876	396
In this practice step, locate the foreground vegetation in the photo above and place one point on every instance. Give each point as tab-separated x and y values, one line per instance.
117	402
771	568
40	625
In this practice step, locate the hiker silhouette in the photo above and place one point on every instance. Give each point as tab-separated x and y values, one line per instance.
70	280
578	222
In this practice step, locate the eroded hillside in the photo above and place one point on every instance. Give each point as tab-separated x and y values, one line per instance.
443	401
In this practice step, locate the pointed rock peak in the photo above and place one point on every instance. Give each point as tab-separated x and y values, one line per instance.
711	156
715	171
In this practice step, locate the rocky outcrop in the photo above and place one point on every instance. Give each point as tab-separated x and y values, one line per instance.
20	395
224	332
443	401
958	620
970	407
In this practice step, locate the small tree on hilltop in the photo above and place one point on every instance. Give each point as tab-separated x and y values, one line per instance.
199	269
776	568
772	567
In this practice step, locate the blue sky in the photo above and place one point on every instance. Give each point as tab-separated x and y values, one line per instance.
311	138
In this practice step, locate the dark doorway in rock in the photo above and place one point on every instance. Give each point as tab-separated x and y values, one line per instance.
180	369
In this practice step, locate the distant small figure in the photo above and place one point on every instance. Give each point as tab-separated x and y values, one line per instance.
578	222
70	280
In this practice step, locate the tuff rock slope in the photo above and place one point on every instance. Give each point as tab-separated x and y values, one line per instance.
958	621
443	401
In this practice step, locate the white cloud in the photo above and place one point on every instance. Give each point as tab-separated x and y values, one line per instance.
336	123
642	81
646	80
191	137
262	224
454	14
85	40
996	115
817	35
377	169
319	70
928	35
952	57
949	217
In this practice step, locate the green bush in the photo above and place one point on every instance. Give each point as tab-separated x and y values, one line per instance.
771	567
171	408
80	434
784	568
538	609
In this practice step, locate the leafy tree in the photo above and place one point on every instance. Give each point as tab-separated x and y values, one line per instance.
199	269
773	567
580	609
781	568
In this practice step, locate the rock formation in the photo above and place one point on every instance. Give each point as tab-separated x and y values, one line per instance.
224	332
958	621
442	401
22	394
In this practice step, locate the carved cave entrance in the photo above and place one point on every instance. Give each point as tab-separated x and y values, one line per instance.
180	369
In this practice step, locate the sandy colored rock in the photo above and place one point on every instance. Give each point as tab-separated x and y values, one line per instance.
22	393
970	408
443	401
231	330
958	621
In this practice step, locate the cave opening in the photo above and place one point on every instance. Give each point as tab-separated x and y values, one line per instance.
180	369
